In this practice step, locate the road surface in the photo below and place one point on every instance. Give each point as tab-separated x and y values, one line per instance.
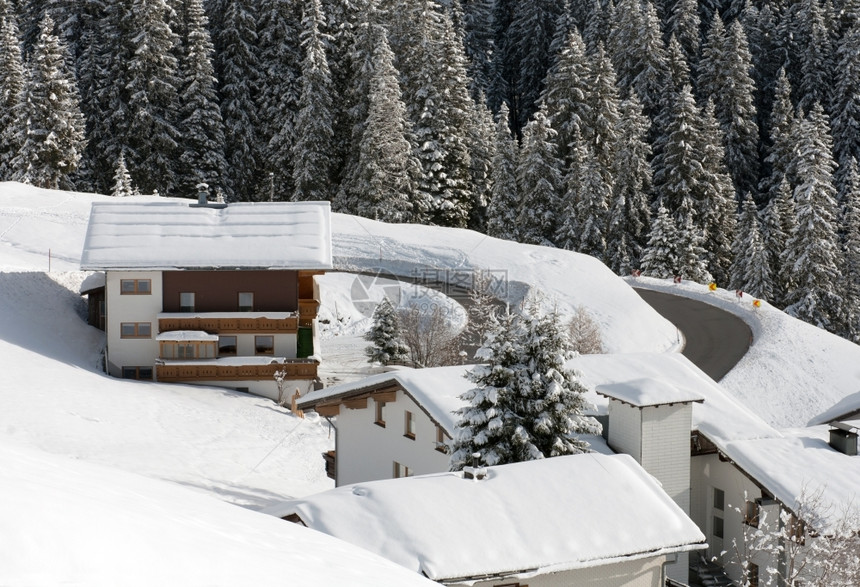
716	339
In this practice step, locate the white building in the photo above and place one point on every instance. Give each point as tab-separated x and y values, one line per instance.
210	293
586	520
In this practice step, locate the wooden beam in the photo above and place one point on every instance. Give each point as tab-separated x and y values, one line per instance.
385	396
328	411
358	403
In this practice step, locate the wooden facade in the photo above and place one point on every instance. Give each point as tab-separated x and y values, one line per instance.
231	325
295	369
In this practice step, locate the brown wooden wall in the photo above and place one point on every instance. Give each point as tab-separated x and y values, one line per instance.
218	291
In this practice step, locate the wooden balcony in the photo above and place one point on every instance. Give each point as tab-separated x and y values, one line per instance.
308	312
231	325
298	369
330	459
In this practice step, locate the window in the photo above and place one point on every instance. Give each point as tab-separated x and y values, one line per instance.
135	286
401	470
264	345
246	301
188	350
441	445
718	527
751	515
226	346
135	330
137	373
409	425
186	301
752	575
380	413
719	499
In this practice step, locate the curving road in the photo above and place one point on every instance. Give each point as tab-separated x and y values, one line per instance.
715	339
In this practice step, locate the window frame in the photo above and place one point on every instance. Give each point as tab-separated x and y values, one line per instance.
721	525
186	308
719	504
401	471
235	345
379	413
136	326
239	305
136	289
136	370
409	425
271	350
441	445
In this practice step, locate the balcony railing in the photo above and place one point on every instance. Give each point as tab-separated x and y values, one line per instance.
295	370
307	312
330	459
231	325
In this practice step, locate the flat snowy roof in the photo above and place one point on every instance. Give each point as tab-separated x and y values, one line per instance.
646	391
847	408
173	235
520	520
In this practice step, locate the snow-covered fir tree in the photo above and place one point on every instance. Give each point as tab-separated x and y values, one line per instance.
312	148
503	207
525	404
601	118
781	143
845	109
53	138
629	211
202	140
11	87
482	151
238	72
850	239
779	221
122	184
660	256
538	178
684	25
816	64
387	170
751	271
812	252
592	209
386	336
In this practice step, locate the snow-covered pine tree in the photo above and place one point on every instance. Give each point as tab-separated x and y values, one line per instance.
812	252
564	97
592	209
629	211
569	231
387	169
122	185
312	148
53	139
539	178
850	231
152	109
660	256
479	44
601	118
385	336
691	255
816	57
202	140
781	142
482	151
685	27
279	89
724	77
845	108
751	270
12	82
778	226
503	207
238	72
599	23
525	404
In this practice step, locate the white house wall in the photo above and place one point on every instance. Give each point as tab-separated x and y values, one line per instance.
625	424
131	308
367	452
709	473
635	573
266	388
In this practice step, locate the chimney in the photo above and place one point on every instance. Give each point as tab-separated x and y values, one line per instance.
202	194
843	438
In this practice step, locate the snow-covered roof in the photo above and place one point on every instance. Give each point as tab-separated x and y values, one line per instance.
174	235
846	409
720	416
186	335
92	282
436	390
646	391
521	520
69	522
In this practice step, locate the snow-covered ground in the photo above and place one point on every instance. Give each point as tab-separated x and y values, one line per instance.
248	451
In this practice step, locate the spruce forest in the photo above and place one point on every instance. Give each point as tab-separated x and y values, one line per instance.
711	140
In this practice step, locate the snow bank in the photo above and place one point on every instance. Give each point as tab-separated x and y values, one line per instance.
67	522
792	371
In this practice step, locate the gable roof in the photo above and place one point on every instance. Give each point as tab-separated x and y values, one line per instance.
436	390
846	409
175	235
520	520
